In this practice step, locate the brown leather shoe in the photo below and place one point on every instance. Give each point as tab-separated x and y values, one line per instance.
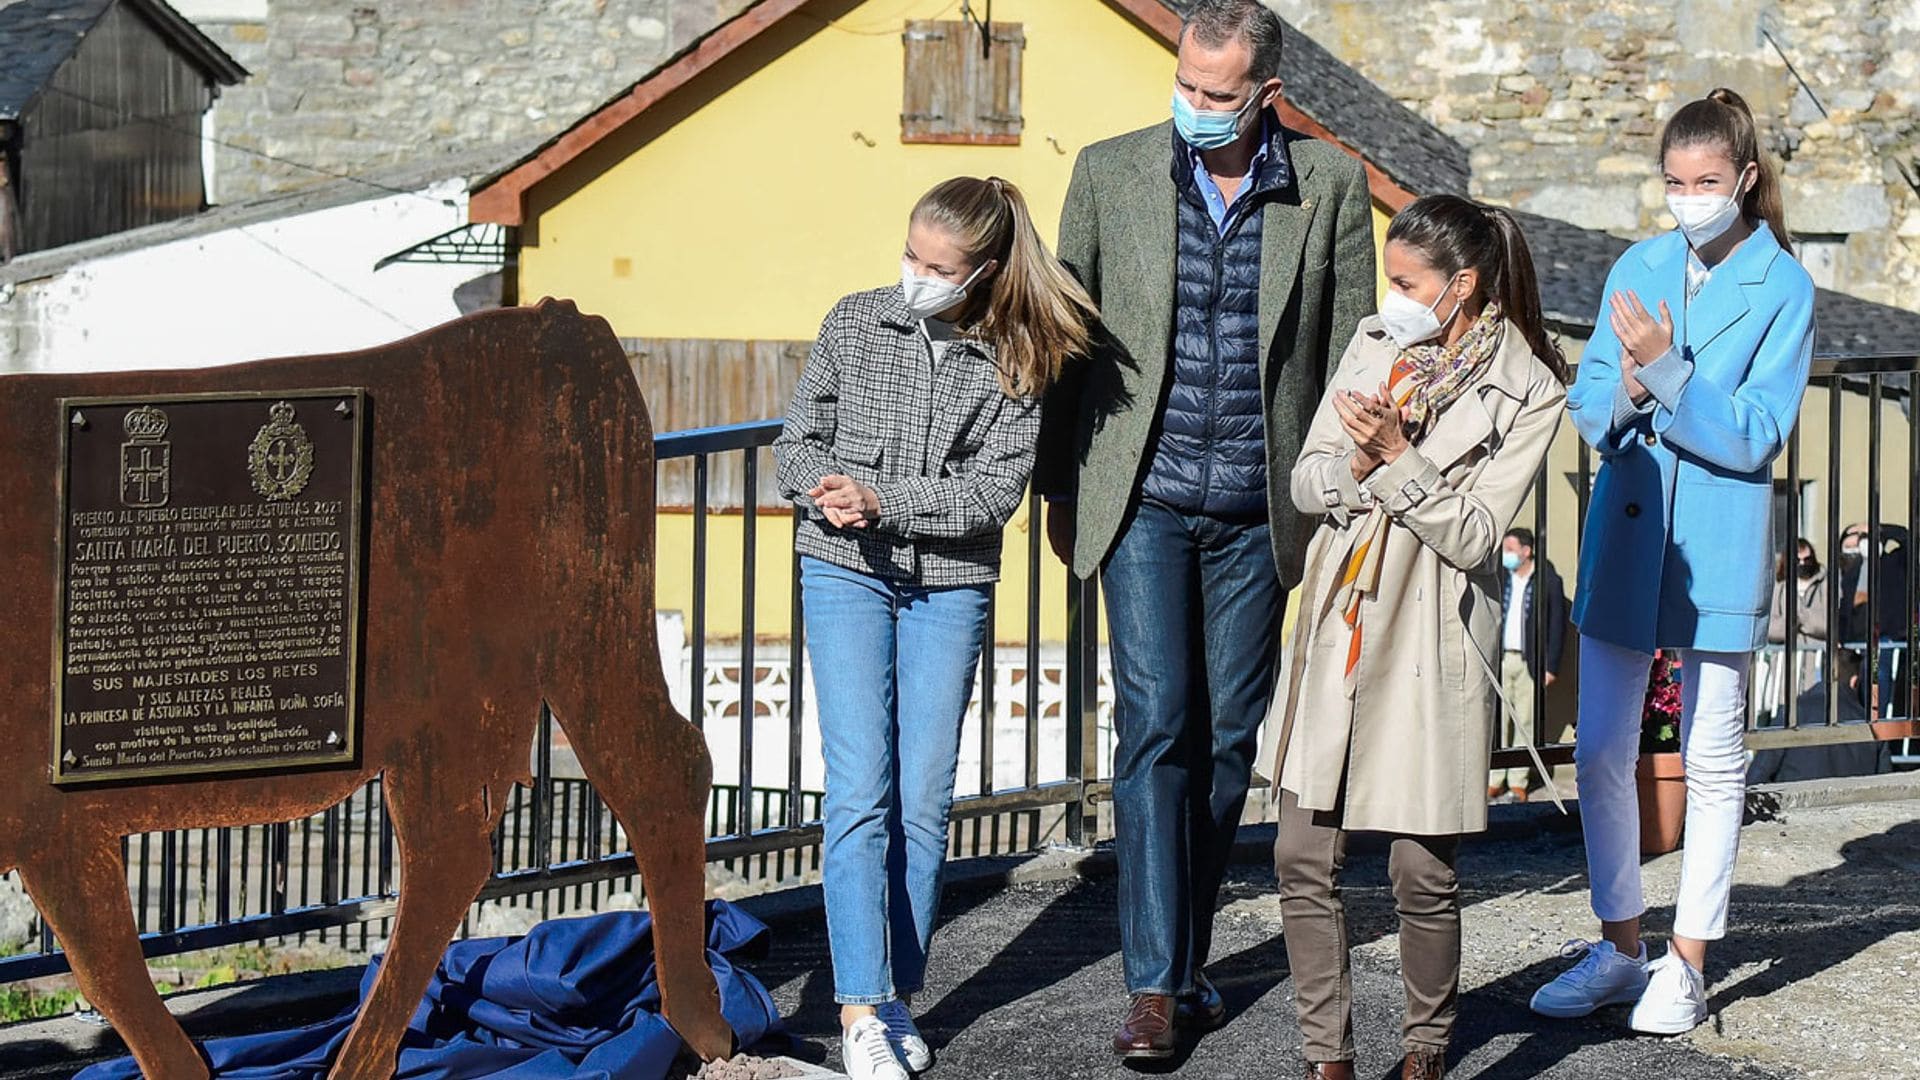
1147	1032
1424	1065
1202	1010
1329	1070
1521	794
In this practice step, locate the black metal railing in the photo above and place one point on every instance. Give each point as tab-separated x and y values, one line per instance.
1864	616
333	877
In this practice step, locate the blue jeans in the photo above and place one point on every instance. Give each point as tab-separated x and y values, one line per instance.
893	668
1194	606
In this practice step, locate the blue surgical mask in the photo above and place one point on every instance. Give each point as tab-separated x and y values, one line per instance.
1510	560
1208	129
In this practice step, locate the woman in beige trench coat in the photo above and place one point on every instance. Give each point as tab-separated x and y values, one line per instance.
1430	436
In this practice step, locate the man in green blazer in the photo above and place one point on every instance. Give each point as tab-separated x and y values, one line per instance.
1232	260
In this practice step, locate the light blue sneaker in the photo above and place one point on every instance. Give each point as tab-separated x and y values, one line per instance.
905	1037
1602	977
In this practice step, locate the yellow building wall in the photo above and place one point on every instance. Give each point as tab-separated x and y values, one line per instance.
751	216
746	216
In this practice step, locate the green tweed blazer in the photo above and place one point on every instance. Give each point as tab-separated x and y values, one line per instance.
1117	233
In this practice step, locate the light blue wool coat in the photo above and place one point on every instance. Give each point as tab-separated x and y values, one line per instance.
1678	548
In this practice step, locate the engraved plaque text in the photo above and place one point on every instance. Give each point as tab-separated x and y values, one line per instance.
208	607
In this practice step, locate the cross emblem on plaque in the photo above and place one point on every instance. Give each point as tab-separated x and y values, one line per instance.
146	474
145	458
281	460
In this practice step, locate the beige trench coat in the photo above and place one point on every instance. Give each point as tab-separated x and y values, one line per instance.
1413	741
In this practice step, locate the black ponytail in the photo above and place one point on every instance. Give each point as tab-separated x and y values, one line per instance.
1456	234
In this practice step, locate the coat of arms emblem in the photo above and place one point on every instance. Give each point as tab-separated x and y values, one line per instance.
146	460
281	456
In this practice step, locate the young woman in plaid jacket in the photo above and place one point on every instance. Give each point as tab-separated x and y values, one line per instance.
908	447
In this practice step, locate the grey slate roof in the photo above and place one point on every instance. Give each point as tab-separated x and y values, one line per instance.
1572	265
37	36
1399	142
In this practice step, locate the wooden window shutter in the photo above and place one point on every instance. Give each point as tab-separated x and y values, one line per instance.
958	92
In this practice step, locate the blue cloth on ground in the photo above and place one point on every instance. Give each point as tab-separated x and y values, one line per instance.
575	999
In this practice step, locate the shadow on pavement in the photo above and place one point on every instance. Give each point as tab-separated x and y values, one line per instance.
1027	983
1068	935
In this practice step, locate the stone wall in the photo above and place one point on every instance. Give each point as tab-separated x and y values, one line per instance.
350	86
1560	106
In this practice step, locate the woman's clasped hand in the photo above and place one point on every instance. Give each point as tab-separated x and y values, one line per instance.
1375	424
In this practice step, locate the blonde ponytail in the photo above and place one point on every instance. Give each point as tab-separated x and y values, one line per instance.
1035	313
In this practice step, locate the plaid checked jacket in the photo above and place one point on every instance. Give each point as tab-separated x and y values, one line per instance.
944	448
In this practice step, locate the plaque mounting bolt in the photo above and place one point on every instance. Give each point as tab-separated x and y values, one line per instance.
345	410
79	420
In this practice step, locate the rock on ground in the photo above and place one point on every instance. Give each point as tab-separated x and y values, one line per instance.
17	917
745	1067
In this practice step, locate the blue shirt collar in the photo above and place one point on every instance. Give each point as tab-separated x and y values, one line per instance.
1269	168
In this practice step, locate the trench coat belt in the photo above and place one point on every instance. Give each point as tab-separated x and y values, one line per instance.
1303	635
1553	791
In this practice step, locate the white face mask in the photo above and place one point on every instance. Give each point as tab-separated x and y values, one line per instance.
929	296
1703	218
1408	323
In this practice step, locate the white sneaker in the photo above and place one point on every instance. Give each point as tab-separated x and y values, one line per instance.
1602	977
906	1038
867	1054
1675	1001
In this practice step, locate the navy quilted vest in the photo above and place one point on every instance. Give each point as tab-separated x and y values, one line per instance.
1210	454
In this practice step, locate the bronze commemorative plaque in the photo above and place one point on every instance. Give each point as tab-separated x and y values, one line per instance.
208	608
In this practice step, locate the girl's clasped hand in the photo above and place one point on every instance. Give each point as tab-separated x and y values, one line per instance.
1643	339
847	503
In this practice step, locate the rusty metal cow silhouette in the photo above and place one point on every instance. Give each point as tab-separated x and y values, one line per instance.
509	512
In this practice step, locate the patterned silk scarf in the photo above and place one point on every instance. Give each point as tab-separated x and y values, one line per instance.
1425	380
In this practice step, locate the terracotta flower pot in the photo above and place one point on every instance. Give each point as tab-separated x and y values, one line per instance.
1663	802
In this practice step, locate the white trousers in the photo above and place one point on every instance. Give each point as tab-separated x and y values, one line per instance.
1613	683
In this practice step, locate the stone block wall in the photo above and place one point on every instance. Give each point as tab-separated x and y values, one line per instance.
1560	106
353	86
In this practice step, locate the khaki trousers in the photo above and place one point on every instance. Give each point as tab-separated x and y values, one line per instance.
1517	682
1308	855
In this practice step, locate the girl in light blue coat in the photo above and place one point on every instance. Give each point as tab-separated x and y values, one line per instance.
1688	390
